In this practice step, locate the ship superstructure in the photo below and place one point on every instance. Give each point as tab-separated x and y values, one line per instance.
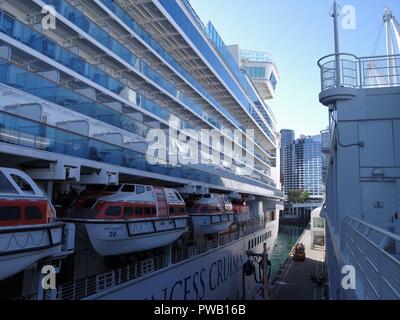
83	85
362	195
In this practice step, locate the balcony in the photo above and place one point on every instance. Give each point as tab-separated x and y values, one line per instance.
356	73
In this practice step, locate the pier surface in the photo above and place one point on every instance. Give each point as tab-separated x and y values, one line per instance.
294	279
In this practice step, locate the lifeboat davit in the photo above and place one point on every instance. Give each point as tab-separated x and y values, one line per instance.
135	218
211	214
241	211
28	229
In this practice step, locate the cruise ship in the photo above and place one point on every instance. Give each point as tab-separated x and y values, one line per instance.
101	107
363	182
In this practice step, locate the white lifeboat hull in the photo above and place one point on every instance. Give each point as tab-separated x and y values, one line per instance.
116	238
20	247
212	223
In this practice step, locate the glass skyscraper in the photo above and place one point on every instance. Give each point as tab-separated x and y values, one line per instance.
301	163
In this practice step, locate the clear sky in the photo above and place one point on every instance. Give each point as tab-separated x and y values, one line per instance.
297	33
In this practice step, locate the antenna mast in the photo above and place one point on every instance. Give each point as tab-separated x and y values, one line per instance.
336	13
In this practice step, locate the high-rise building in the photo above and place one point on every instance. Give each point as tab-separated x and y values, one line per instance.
287	139
301	163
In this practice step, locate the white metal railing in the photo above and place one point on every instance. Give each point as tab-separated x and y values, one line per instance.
364	72
375	253
84	288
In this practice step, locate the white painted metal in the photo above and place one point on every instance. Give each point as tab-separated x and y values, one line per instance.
375	253
36	242
110	239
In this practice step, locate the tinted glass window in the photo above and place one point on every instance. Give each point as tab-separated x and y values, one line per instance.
128	188
147	210
140	189
178	196
33	213
113	211
10	213
139	211
21	182
154	210
171	210
128	211
5	185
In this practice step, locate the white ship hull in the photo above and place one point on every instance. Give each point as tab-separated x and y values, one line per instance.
214	275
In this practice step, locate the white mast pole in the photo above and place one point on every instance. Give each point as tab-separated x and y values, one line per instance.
396	32
337	49
389	47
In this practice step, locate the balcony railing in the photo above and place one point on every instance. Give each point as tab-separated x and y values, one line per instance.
355	72
375	254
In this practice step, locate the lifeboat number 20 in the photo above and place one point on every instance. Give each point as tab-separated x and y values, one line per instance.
113	234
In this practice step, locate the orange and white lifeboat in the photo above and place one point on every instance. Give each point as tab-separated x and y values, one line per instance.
133	219
241	211
95	192
28	229
211	214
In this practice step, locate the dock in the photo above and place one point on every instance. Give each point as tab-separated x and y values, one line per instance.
294	281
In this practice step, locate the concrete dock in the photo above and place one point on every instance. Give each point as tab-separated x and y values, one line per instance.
294	281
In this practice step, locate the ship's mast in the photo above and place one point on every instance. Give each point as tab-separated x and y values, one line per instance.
336	13
387	18
392	36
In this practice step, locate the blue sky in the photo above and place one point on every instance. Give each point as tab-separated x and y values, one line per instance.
296	33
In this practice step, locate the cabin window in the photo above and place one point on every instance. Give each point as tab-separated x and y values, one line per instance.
5	185
22	184
128	211
10	213
148	189
33	213
178	196
128	188
140	190
204	209
113	211
138	211
171	210
112	188
147	211
154	211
